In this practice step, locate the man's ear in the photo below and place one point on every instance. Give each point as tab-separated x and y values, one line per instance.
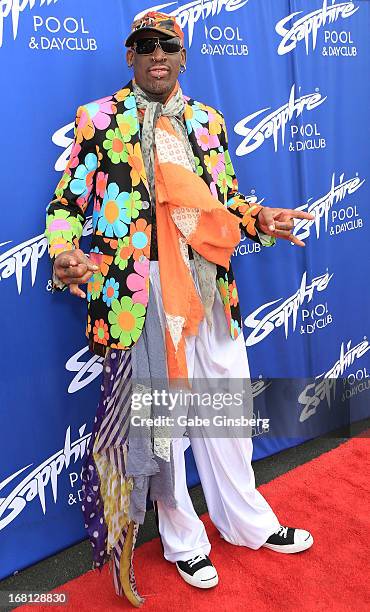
130	57
183	56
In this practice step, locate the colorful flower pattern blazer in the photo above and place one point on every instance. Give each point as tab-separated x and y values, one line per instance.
106	167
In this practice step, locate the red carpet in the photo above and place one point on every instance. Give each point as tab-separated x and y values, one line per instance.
329	496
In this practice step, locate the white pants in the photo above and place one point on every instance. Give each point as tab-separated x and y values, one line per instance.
237	509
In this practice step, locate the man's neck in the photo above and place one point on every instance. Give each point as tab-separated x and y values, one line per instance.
156	97
153	97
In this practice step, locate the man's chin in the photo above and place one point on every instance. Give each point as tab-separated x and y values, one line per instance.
159	87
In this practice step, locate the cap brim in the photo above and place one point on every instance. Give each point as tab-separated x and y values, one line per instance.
131	38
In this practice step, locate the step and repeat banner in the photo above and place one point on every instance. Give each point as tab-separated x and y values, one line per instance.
291	78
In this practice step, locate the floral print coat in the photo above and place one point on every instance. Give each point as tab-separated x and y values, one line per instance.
106	167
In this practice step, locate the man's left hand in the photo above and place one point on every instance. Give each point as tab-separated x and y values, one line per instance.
278	222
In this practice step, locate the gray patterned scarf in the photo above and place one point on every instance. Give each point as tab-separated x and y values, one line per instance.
174	110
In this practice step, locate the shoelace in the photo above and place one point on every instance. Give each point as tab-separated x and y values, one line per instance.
282	531
196	559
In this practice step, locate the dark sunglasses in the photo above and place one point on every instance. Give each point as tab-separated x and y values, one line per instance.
146	46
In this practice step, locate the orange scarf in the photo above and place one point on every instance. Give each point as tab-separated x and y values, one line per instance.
187	213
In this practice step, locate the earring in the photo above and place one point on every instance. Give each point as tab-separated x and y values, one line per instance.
182	68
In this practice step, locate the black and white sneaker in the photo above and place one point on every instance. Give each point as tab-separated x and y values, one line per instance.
289	540
198	571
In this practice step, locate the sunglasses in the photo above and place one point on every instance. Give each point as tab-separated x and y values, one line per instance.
147	46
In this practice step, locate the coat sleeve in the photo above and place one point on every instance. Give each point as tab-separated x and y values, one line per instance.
237	203
65	214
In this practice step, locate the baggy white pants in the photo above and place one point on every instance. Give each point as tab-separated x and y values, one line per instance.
237	509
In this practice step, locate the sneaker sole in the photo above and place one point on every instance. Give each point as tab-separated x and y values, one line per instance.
289	549
200	584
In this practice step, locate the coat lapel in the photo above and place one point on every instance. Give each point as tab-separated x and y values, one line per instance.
191	133
197	150
126	103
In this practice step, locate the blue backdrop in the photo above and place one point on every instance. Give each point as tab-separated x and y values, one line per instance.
291	77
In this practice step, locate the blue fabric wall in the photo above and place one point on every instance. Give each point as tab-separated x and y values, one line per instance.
291	77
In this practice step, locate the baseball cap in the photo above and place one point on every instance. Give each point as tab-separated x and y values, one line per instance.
155	22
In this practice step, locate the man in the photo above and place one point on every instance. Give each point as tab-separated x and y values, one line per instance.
162	303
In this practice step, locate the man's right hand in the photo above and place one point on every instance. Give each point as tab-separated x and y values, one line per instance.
73	268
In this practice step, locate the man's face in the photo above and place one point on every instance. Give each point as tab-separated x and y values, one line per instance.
156	73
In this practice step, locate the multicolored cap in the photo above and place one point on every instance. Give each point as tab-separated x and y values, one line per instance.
155	22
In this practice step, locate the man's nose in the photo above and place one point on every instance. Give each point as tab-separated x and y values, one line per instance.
159	54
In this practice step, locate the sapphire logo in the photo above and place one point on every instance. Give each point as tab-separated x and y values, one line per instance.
325	385
190	13
265	319
14	8
50	32
306	27
344	219
87	370
61	139
17	258
34	484
275	122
